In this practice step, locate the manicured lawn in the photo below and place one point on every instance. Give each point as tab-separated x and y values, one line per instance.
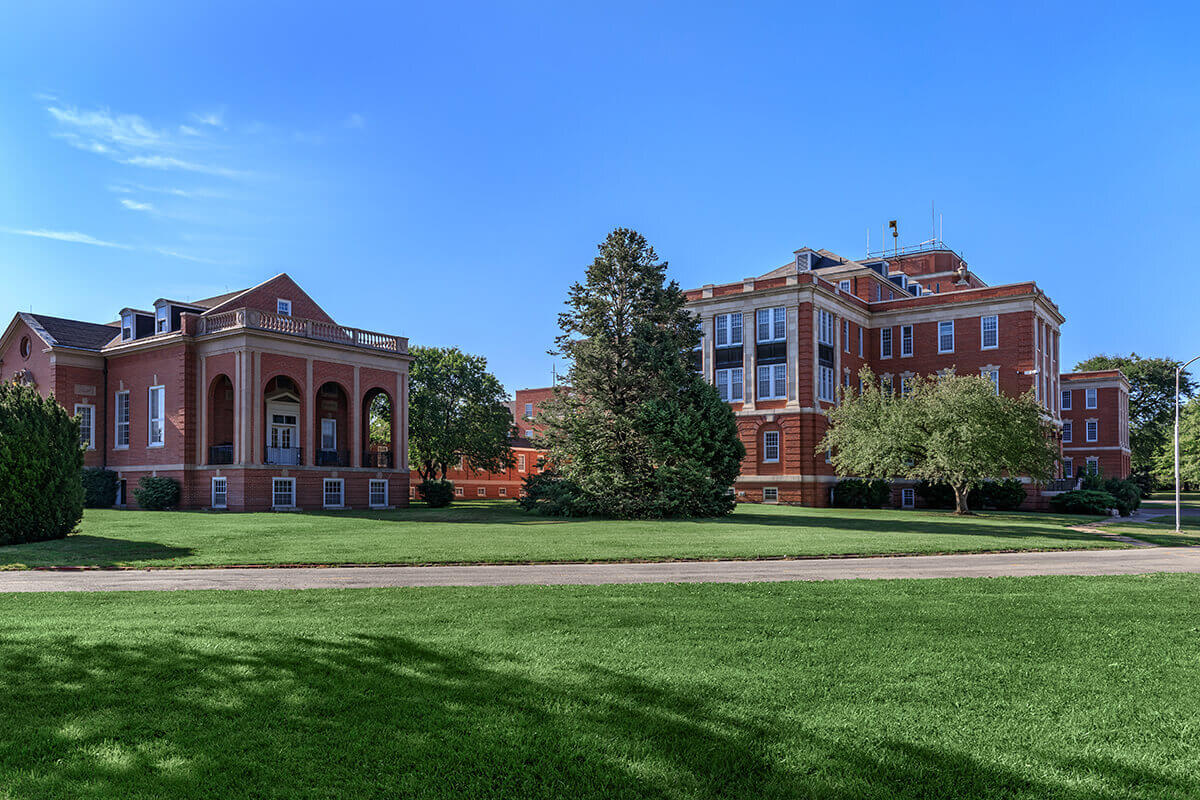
499	532
1161	531
1001	688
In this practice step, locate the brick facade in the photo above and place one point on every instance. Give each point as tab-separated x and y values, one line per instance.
1107	452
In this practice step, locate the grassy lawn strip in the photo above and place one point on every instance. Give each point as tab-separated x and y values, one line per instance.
501	533
987	688
1162	530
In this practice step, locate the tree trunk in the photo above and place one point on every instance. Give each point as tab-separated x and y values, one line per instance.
960	500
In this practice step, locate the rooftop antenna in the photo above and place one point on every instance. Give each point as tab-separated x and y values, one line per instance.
868	240
553	374
932	220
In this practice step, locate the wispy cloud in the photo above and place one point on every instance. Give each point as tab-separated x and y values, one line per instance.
170	162
186	257
215	119
355	121
126	130
168	190
188	130
67	236
133	205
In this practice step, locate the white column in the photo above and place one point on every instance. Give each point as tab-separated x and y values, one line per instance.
793	355
749	359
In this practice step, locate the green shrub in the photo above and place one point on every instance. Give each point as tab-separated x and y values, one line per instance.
858	493
550	494
1093	483
41	496
99	487
1127	492
1146	482
157	494
1002	495
1083	501
438	494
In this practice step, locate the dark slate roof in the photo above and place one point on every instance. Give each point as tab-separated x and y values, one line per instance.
520	442
73	333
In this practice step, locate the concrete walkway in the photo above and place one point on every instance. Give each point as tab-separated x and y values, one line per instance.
1076	562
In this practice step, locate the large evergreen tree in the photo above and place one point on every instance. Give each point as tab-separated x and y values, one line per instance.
1151	401
639	433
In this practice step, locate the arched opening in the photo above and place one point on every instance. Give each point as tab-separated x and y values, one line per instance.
281	399
220	420
379	430
332	425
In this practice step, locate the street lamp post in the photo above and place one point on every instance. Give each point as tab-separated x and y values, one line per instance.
1178	371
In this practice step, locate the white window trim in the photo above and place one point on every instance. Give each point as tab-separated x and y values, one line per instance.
341	482
520	462
949	322
131	327
162	319
772	382
826	327
728	329
1091	399
150	416
845	335
371	484
322	434
774	314
774	489
912	341
291	481
1068	467
117	420
826	389
91	424
458	491
529	411
1093	461
731	383
503	491
1065	395
774	460
212	494
1068	430
280	303
845	285
860	341
983	346
1089	427
890	342
908	498
987	373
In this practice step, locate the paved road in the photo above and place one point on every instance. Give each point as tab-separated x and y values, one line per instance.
1088	562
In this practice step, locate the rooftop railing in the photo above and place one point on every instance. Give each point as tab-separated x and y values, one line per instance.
253	319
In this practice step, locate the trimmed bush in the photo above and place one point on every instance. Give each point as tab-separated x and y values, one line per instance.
1127	492
438	494
1146	482
1002	495
858	493
41	496
157	494
1083	501
99	487
549	494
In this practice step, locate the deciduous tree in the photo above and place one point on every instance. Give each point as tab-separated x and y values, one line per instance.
945	429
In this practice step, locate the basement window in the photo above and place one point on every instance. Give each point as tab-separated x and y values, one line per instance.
377	496
770	494
220	492
334	491
908	498
283	493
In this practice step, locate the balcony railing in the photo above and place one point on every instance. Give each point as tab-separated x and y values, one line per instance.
333	458
377	459
253	319
1060	485
220	454
285	456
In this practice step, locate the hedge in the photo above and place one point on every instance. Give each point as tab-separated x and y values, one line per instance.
157	494
858	493
438	494
41	496
1083	501
99	487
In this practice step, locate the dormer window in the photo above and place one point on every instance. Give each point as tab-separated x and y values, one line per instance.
162	319
804	261
283	307
126	327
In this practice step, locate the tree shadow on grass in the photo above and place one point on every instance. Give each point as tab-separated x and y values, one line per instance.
82	548
209	713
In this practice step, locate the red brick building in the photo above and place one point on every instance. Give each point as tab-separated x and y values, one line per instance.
1095	424
479	484
252	400
777	347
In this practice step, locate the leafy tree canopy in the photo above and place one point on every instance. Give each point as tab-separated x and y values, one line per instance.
1151	401
456	408
946	429
639	434
1189	449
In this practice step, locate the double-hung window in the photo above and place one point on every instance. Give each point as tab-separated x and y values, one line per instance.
1066	399
772	325
1068	468
1093	466
157	419
770	494
220	492
989	332
728	329
1068	431
906	340
908	498
126	327
329	434
729	384
885	342
162	319
1089	398
993	375
860	341
826	379
846	335
334	491
771	447
87	425
844	285
520	462
904	385
1093	430
946	336
772	382
121	440
377	493
283	492
529	411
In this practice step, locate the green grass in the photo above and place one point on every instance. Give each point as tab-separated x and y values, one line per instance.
500	532
1161	530
1000	688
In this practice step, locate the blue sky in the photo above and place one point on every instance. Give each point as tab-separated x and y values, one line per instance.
444	171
